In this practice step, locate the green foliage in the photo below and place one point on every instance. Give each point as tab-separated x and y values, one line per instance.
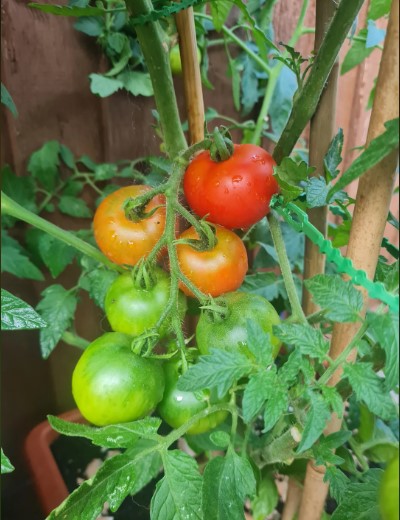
366	505
18	315
57	307
7	100
236	481
6	466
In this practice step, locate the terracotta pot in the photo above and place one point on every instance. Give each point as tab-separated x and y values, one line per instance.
47	479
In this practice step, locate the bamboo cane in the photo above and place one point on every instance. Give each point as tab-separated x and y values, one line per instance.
322	130
370	214
191	74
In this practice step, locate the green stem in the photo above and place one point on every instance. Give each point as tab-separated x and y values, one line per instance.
359	456
284	265
343	356
154	45
10	207
273	78
306	101
232	36
74	340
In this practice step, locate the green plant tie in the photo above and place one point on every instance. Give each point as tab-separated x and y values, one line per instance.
298	220
164	11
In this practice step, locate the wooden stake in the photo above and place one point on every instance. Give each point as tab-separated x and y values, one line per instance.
370	213
322	131
191	74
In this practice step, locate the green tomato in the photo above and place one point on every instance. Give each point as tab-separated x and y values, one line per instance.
178	406
389	491
230	332
111	384
175	59
133	310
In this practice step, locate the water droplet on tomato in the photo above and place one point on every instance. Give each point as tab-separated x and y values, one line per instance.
237	178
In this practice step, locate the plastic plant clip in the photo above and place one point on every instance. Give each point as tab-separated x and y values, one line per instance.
298	220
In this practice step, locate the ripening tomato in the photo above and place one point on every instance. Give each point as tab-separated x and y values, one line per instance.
120	239
217	271
234	193
178	406
230	332
111	384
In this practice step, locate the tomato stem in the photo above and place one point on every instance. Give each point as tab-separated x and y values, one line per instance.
12	208
284	264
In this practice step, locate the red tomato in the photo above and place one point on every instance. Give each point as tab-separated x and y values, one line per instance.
120	239
217	271
234	193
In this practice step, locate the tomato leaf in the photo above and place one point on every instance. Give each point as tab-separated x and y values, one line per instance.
105	171
20	189
74	207
136	82
317	417
103	86
333	156
277	403
113	436
15	261
385	331
338	482
378	8
340	299
323	451
266	500
43	164
220	11
220	369
178	494
309	340
7	100
259	343
357	52
255	394
18	315
360	499
55	254
289	175
6	466
282	101
388	274
97	282
90	25
115	479
263	284
316	190
369	388
57	308
333	399
227	482
377	150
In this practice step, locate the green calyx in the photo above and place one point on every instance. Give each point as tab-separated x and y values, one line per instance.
207	237
143	277
222	146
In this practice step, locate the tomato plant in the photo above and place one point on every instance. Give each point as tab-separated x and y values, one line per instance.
178	406
111	384
229	331
268	411
133	309
215	271
120	239
234	193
